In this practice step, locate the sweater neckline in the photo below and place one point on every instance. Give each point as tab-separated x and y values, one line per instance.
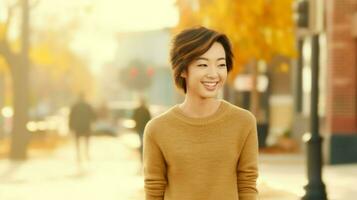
201	120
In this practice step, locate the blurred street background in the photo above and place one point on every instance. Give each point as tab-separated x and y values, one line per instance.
295	69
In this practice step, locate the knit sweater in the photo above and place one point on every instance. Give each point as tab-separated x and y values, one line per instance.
209	158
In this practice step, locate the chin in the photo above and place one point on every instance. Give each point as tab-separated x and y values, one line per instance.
207	95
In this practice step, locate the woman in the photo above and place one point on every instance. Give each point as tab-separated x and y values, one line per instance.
204	148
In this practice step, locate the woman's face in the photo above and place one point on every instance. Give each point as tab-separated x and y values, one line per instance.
207	74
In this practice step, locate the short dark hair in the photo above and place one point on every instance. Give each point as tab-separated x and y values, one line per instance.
192	43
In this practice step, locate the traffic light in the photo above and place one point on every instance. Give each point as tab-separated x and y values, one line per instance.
309	15
150	71
133	72
301	14
136	77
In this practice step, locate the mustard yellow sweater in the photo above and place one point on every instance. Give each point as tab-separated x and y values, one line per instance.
210	158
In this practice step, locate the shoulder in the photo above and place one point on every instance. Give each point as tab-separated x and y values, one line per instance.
240	114
156	122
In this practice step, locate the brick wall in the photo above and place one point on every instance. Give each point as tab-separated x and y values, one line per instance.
342	67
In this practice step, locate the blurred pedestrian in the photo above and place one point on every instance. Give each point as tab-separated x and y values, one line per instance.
80	119
205	147
141	116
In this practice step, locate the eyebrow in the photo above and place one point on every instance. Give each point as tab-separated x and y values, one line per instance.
203	58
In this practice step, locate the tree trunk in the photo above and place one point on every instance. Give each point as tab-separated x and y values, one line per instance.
20	135
19	69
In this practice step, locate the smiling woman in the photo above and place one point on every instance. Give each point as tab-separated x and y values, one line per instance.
204	148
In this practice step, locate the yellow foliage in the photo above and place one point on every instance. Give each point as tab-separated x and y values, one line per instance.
3	65
53	65
15	45
41	54
53	55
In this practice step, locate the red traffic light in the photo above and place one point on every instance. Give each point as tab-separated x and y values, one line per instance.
133	72
150	71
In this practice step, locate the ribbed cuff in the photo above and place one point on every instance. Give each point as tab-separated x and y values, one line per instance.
248	196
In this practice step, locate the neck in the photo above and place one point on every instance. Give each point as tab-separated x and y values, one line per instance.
194	107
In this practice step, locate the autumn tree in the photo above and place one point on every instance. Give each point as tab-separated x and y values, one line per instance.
50	54
18	63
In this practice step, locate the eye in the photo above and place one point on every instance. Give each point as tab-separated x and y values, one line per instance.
222	65
202	65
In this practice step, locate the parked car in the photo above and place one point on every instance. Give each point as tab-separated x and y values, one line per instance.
104	128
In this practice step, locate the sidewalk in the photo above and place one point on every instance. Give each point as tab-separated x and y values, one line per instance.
285	174
113	174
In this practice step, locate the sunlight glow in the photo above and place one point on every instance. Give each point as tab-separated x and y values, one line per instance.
96	23
7	112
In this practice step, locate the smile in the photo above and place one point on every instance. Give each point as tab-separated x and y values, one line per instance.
210	85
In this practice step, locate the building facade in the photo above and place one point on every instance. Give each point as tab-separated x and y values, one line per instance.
341	105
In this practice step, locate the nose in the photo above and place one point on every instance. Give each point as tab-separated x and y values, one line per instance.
212	72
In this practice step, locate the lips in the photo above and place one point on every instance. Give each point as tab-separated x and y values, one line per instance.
209	85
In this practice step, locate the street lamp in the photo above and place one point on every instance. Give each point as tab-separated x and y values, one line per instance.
315	188
309	19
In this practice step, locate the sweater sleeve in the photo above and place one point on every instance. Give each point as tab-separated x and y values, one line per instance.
154	167
247	168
